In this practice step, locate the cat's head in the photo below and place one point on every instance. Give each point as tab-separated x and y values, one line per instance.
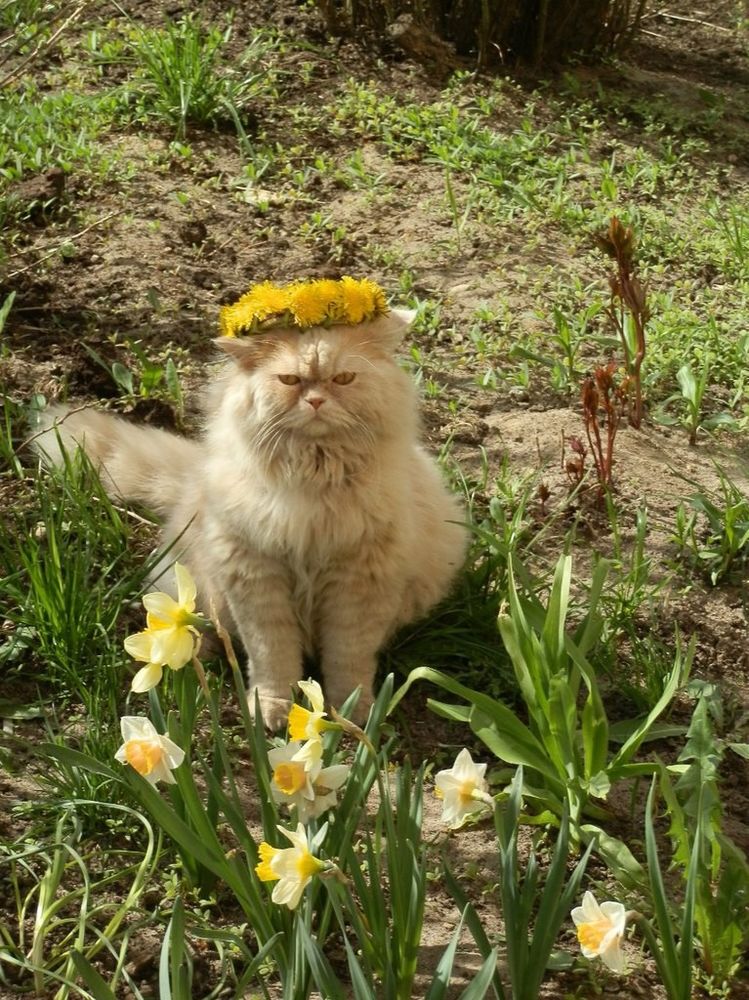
322	383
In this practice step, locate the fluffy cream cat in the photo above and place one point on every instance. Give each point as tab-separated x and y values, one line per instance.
308	512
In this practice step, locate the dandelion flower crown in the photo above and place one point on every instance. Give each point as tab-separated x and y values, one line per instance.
303	304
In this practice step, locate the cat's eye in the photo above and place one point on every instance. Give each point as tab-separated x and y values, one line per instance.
343	378
289	379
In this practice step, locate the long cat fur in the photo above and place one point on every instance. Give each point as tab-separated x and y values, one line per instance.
309	514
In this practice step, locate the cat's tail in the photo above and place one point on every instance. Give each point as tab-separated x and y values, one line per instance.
144	464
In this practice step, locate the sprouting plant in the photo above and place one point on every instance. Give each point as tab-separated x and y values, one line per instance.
574	464
628	310
64	908
721	894
604	400
145	379
726	542
564	747
533	907
459	218
692	392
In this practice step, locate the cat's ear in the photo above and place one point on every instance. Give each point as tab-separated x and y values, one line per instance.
248	352
390	329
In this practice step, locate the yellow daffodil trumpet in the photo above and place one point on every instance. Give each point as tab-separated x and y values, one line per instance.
303	304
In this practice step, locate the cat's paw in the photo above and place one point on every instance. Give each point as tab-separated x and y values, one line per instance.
275	710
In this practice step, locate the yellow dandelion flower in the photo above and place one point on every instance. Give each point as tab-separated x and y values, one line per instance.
378	296
330	290
267	299
361	300
308	304
237	318
302	304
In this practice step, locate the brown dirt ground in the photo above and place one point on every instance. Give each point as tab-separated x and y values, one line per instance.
152	267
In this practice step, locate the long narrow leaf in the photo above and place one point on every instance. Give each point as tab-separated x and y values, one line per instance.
474	925
443	972
482	981
91	978
667	958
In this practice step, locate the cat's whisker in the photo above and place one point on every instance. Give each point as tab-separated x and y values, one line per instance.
367	361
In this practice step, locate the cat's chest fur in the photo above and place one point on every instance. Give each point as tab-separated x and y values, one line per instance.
310	514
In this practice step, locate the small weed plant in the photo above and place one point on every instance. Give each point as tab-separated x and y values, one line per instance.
190	80
714	536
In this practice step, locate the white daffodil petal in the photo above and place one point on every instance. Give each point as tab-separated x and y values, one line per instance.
589	912
146	678
313	693
332	777
297	837
187	591
280	755
316	806
310	754
136	727
181	648
615	913
139	646
173	754
288	892
162	606
613	957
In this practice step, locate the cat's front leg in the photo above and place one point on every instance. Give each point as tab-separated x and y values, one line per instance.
358	610
258	592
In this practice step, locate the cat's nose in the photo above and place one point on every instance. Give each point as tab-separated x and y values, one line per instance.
315	401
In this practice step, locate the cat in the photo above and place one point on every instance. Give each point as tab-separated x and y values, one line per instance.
307	511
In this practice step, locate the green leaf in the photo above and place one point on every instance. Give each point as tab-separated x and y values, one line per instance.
620	732
667	958
553	635
16	710
443	972
616	855
511	741
494	723
5	309
677	677
481	982
66	755
473	922
93	981
361	986
687	384
599	785
322	972
456	713
123	377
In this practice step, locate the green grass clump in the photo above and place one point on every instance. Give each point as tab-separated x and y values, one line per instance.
39	131
190	78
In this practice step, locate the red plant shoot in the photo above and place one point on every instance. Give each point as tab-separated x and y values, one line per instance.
628	296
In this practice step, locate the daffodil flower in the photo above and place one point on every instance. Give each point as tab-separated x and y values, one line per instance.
310	792
600	930
293	867
308	726
463	789
152	755
172	623
169	637
140	647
